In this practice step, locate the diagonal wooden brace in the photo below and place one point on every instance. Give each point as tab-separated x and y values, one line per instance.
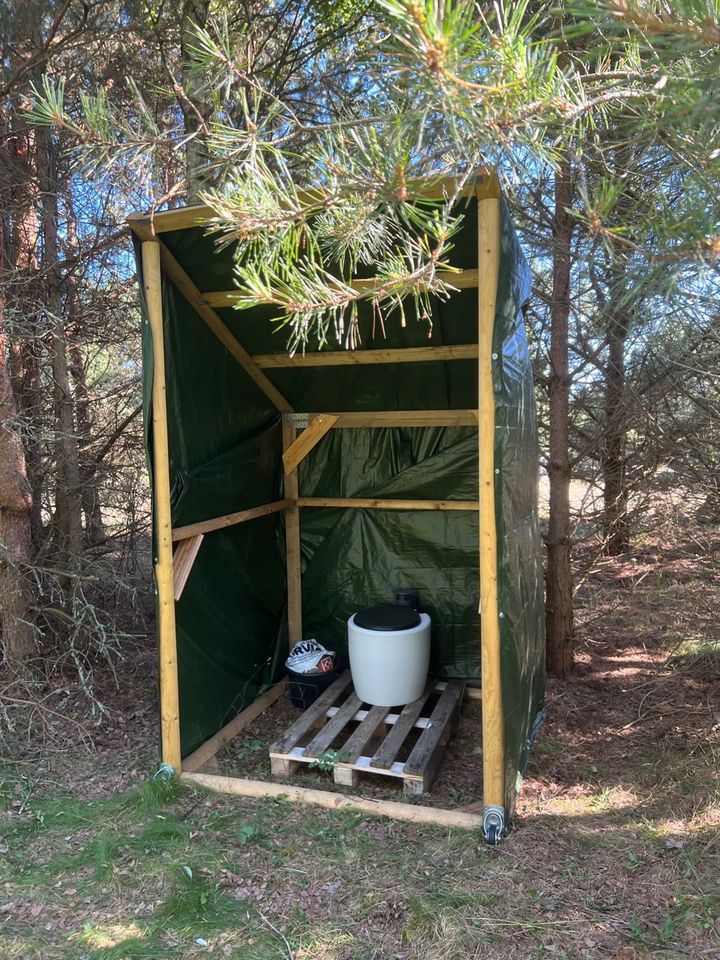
183	560
311	435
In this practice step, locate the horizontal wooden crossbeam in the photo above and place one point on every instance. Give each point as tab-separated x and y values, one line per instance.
393	418
339	358
199	215
370	503
460	279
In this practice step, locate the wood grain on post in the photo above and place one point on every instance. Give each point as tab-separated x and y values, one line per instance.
365	357
374	503
169	696
414	813
308	439
293	561
493	733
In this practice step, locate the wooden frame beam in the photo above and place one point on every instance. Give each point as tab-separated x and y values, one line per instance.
293	556
156	256
493	730
309	438
369	503
460	279
340	358
401	418
218	326
142	227
411	812
183	560
486	184
167	643
230	519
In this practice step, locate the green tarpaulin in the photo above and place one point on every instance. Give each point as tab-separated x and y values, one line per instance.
225	456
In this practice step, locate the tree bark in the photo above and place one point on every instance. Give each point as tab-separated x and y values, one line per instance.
193	103
25	345
558	601
16	548
67	518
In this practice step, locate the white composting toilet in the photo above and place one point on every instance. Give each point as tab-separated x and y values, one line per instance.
389	648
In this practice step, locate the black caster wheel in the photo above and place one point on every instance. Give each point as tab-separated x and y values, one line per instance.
493	835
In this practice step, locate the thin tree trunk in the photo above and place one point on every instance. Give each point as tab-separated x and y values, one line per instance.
95	533
67	520
193	103
16	548
25	346
613	464
558	602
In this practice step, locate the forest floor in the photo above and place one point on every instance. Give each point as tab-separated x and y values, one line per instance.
615	852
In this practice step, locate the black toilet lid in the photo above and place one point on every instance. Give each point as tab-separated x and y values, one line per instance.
387	617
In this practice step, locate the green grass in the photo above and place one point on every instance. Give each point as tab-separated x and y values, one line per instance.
161	873
616	853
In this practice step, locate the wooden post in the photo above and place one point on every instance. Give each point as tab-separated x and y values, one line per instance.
292	545
169	698
493	734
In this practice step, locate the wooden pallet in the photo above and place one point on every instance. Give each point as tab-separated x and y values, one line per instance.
408	743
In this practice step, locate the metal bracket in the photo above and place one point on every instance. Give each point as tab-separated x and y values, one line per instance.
298	420
164	773
494	825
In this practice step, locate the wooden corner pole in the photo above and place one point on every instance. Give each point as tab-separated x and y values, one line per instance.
293	563
169	698
493	735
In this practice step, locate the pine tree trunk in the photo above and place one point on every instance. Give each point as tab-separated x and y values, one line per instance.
95	533
67	519
613	465
16	548
193	103
25	346
558	600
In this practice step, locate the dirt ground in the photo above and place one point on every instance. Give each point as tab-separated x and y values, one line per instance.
614	854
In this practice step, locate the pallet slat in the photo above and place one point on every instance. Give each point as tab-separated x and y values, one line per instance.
388	749
428	751
333	727
435	715
312	715
363	733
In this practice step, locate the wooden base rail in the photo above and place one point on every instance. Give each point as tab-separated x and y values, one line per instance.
414	813
369	503
230	519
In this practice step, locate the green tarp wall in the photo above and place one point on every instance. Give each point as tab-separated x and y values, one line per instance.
225	456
